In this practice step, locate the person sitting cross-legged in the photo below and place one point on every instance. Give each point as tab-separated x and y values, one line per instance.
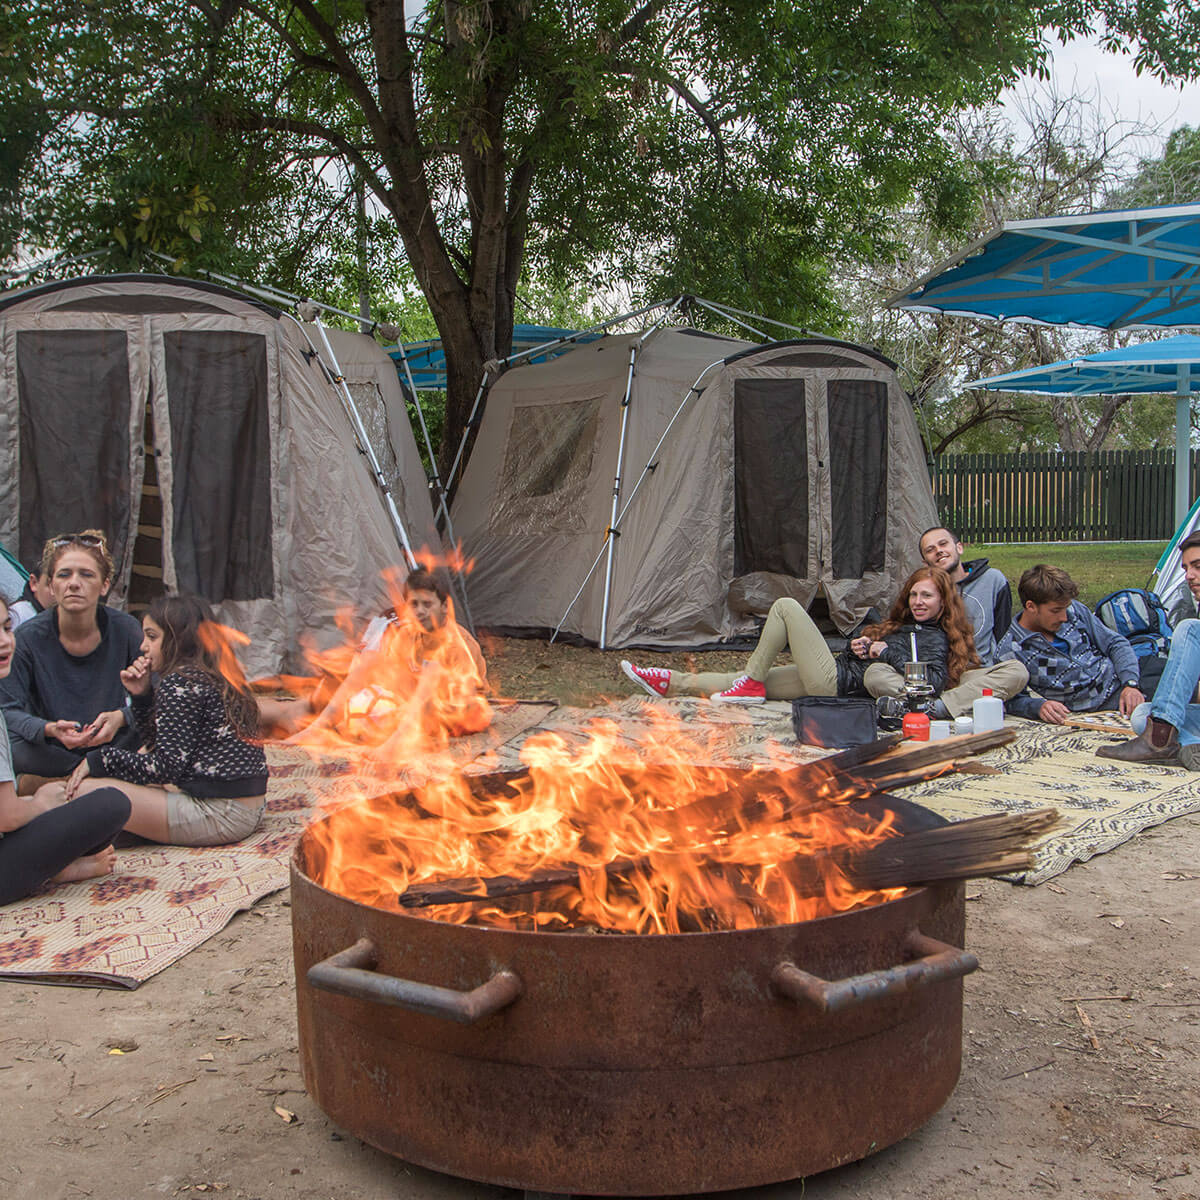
1075	662
928	610
1168	728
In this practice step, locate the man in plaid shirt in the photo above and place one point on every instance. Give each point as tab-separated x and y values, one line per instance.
1075	662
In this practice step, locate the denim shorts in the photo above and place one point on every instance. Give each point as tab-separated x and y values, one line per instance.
211	822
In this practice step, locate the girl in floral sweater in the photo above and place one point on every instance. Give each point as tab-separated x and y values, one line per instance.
200	778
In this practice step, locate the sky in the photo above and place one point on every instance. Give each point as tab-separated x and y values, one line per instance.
1081	66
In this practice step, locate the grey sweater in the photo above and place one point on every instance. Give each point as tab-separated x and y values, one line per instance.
48	684
987	597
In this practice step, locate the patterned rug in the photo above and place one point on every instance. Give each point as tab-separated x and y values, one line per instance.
164	901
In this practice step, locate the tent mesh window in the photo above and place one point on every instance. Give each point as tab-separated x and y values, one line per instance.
770	439
547	461
73	393
221	453
858	475
371	409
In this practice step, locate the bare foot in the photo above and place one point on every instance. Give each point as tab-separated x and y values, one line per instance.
88	867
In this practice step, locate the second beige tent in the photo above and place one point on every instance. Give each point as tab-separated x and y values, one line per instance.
740	472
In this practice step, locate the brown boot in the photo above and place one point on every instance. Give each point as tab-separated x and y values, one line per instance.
1157	743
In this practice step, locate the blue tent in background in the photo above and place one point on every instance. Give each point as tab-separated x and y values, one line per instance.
427	360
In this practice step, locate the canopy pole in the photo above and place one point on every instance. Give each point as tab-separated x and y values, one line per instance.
1183	446
369	450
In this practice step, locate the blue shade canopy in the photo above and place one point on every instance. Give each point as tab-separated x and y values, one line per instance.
1108	270
427	360
1149	367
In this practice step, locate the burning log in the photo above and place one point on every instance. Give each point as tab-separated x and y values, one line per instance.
980	846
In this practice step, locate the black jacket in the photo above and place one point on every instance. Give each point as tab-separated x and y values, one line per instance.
933	647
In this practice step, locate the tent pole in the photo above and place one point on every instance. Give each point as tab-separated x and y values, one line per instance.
437	481
440	487
730	317
613	534
650	466
1183	446
361	432
462	444
726	309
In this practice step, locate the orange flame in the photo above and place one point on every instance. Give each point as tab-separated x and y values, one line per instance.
640	836
644	837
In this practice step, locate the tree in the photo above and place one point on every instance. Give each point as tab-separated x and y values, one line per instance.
737	146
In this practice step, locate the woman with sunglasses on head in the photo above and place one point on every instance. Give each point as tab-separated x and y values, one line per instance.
201	779
41	842
64	696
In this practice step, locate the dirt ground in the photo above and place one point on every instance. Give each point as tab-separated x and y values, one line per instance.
1080	1078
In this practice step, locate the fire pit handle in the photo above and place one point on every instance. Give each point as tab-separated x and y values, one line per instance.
936	963
351	973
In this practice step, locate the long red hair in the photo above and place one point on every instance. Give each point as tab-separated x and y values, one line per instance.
952	619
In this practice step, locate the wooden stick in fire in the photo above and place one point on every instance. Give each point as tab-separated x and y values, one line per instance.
992	845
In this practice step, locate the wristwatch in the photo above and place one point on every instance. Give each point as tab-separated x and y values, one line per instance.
1131	683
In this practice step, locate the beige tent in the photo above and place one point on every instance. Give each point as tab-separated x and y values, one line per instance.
211	437
742	472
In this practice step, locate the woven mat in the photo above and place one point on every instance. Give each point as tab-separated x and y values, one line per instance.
164	901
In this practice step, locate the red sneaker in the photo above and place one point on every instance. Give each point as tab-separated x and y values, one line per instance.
654	679
743	690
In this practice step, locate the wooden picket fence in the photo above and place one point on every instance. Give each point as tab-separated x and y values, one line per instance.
1113	495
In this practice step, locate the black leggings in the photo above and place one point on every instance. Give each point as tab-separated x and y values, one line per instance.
35	853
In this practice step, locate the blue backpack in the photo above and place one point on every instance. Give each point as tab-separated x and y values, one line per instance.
1140	616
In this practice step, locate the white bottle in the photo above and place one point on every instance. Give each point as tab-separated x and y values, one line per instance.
987	712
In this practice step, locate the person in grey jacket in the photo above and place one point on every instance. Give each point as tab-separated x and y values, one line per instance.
1075	662
987	599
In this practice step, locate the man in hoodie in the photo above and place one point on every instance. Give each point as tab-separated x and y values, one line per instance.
987	597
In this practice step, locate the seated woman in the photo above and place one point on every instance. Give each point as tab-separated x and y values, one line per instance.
44	843
201	779
928	608
63	696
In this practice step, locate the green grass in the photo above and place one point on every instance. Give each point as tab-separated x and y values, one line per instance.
1098	568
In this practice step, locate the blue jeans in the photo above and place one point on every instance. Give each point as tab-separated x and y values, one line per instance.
1175	698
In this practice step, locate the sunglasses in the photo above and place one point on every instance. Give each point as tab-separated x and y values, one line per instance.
77	539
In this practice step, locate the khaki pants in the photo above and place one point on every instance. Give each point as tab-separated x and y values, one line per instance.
1005	679
812	671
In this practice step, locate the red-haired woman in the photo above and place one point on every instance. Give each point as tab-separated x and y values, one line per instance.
63	696
928	609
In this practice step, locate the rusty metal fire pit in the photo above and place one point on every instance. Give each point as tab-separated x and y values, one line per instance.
629	1065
